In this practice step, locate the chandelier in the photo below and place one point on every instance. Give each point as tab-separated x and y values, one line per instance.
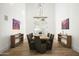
40	22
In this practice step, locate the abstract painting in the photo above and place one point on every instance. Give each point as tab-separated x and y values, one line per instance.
15	24
65	24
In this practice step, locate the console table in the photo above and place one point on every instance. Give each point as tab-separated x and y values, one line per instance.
66	38
16	39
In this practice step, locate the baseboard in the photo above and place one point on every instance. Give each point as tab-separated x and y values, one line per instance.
76	49
4	49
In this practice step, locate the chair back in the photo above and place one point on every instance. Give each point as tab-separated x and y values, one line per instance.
28	38
31	35
48	34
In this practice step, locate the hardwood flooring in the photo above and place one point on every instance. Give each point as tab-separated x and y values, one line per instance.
57	50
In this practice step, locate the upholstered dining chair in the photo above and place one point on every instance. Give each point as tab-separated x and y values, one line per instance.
50	42
40	47
30	42
37	43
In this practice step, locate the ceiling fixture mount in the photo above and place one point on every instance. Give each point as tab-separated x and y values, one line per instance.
41	16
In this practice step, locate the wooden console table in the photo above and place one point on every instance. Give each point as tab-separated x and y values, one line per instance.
67	38
16	39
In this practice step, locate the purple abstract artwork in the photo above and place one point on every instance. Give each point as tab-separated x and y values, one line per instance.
16	24
65	24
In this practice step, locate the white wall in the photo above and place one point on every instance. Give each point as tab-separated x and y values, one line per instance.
16	11
70	11
33	10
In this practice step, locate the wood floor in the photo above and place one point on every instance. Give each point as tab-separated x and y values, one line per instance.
57	50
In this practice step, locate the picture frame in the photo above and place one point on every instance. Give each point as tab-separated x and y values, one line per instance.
65	24
15	24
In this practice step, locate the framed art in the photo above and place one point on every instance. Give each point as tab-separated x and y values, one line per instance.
15	24
65	24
